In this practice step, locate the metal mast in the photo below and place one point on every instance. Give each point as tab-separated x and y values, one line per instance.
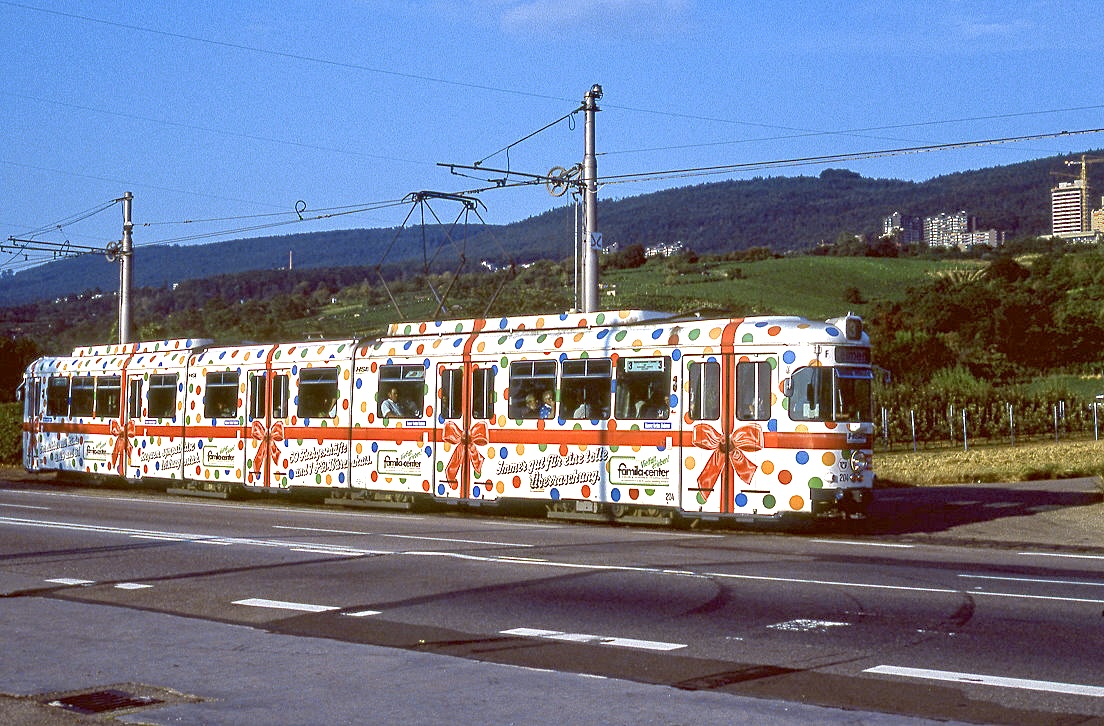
591	238
124	270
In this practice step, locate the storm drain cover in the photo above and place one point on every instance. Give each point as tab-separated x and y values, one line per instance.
104	701
115	699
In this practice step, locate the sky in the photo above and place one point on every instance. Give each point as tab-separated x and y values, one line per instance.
256	118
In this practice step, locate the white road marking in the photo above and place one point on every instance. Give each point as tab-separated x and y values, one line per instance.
1034	579
898	588
324	550
22	506
132	586
406	536
1060	554
70	581
498	559
987	680
362	613
305	607
593	639
189	537
804	625
208	504
863	544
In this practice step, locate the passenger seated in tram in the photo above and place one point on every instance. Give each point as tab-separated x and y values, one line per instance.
548	405
392	405
657	407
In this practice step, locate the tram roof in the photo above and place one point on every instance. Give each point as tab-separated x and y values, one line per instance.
755	328
528	322
155	346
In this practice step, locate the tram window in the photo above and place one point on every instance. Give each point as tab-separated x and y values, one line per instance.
532	387
30	398
831	394
452	386
644	388
854	398
161	395
82	396
57	396
317	394
811	396
401	390
134	398
585	388
108	393
483	395
753	390
220	400
257	394
704	380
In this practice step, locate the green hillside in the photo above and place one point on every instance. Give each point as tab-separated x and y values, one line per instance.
814	287
780	213
349	302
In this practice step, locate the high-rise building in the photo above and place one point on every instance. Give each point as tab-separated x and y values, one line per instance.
906	229
1097	218
947	230
1067	212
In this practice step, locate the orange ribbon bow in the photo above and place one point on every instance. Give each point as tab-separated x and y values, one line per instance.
461	441
730	452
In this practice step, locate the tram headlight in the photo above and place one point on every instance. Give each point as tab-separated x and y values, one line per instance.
860	461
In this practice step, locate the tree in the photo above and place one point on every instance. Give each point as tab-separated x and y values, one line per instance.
15	355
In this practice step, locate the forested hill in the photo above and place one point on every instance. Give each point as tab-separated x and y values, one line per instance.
782	213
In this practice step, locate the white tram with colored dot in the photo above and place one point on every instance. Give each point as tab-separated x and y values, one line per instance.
601	415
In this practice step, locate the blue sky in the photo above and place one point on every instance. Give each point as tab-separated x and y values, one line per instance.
237	111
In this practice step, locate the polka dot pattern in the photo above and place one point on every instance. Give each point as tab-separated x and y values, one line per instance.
614	461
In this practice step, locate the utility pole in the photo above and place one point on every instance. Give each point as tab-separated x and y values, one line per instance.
591	238
124	270
119	251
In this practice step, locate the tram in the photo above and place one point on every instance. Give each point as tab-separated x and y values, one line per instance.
608	415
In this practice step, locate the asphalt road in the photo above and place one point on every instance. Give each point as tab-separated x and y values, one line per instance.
973	604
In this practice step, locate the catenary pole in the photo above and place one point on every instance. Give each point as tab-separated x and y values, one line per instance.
590	184
124	270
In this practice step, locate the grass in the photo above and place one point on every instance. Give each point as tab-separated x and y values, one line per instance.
1086	387
1025	462
815	287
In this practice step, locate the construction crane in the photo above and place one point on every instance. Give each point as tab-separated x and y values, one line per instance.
1084	177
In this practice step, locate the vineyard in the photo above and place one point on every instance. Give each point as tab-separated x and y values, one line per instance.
938	418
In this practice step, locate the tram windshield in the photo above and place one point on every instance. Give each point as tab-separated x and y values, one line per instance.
831	394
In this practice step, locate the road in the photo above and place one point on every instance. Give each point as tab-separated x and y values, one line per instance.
954	608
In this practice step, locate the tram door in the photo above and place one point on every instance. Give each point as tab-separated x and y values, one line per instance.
32	417
728	405
267	415
465	398
130	418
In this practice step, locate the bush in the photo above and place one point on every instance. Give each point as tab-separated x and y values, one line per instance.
11	433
